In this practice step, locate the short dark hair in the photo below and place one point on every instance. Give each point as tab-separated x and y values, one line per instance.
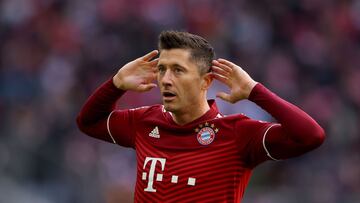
201	52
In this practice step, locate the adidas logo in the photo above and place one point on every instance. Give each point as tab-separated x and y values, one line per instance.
155	133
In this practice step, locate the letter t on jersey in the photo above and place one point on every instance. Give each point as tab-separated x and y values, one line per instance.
159	176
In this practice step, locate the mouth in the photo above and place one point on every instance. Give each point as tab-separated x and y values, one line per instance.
168	96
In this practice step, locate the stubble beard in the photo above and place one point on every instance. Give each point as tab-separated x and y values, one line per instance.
169	108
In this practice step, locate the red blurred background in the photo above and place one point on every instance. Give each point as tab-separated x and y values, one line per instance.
54	53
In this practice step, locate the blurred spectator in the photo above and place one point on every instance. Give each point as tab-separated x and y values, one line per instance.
54	53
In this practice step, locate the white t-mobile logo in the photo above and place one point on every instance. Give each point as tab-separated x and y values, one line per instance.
159	176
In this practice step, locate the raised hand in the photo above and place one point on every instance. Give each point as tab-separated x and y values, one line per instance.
239	82
139	74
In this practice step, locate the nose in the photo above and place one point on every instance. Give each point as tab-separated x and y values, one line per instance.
166	78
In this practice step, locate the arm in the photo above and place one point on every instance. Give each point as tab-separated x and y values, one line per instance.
98	115
296	133
92	119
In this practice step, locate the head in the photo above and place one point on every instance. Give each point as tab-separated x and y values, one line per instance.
184	66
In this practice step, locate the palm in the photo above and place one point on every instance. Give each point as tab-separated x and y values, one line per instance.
239	82
138	75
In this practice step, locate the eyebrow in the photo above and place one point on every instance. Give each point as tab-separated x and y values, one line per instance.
173	64
178	65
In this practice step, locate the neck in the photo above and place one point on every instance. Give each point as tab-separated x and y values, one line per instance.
191	114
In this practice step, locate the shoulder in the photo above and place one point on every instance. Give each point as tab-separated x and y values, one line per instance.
251	126
243	122
232	117
230	121
147	110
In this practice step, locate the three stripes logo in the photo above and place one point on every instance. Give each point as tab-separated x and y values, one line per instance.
155	133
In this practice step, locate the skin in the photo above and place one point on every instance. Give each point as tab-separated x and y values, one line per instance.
179	75
176	73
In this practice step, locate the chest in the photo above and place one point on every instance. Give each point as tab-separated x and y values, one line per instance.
192	157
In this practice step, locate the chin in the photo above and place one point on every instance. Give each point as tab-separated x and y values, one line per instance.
169	107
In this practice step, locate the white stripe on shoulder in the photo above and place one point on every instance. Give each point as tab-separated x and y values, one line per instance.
219	115
263	141
137	108
108	126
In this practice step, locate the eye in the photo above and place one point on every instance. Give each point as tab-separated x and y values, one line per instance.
161	69
178	70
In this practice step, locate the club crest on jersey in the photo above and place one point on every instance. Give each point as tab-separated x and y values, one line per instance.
206	133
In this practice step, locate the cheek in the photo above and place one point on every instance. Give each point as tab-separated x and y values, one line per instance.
191	90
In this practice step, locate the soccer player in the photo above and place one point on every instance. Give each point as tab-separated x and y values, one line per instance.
186	150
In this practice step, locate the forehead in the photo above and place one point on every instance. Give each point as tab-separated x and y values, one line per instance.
175	56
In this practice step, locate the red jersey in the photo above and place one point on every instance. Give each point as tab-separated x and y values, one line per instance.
207	160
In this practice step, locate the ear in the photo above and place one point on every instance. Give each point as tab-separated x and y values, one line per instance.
206	81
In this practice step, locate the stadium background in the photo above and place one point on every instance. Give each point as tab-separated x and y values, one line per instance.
55	53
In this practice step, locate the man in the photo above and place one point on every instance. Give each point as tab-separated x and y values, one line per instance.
186	150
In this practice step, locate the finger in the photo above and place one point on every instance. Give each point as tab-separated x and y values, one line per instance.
220	71
221	65
151	69
154	70
221	78
227	63
224	96
150	77
150	55
154	62
146	87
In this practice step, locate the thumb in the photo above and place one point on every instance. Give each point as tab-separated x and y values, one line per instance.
224	96
146	87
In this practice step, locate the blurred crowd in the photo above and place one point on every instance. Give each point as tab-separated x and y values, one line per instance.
54	53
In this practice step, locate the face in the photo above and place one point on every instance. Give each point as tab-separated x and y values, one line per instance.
181	85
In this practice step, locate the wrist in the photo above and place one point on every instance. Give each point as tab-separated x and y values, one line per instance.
249	87
118	82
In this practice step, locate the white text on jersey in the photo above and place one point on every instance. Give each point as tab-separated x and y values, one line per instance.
159	177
